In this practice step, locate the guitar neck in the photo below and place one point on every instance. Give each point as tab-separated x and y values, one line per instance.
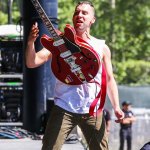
46	20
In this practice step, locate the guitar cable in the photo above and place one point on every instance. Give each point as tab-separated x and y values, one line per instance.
96	118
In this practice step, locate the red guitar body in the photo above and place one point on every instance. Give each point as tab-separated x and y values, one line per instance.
85	57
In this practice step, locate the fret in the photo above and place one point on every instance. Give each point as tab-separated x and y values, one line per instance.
46	23
55	37
46	20
52	31
43	16
54	34
50	27
40	11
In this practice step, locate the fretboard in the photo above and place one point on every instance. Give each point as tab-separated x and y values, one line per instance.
46	20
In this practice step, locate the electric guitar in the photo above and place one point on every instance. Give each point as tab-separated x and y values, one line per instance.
74	62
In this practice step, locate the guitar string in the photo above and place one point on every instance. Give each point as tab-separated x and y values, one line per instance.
50	27
46	19
62	48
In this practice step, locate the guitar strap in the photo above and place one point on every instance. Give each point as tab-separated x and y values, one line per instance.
101	95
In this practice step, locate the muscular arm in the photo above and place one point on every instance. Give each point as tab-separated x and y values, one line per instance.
34	59
112	89
129	120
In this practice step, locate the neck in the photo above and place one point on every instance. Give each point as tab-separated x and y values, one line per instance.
84	35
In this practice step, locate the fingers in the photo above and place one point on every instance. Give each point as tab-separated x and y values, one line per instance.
34	30
36	24
120	116
119	120
33	33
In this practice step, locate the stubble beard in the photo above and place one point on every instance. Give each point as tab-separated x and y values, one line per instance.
80	29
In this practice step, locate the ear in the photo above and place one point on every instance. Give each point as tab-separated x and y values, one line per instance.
93	20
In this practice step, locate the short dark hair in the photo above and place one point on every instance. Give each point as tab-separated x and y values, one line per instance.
86	2
127	103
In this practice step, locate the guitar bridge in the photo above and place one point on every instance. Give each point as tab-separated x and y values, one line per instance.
71	61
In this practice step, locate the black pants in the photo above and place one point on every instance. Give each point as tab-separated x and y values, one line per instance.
125	134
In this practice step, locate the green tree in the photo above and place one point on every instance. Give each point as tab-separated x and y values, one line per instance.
3	19
135	72
125	26
4	12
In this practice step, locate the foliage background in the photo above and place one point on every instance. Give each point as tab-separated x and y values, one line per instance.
125	25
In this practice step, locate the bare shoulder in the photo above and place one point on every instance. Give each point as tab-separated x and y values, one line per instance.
106	51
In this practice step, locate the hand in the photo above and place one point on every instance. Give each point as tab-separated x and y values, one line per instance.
126	121
33	33
119	114
107	132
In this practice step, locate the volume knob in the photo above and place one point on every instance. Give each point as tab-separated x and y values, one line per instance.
94	60
92	67
89	54
85	61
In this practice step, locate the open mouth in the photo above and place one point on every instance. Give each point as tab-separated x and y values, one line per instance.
79	21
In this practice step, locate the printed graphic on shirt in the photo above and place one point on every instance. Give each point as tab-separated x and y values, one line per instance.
130	114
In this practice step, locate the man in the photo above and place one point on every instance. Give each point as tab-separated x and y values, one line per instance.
72	102
107	119
125	131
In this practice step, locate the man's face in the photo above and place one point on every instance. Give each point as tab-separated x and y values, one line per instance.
126	107
83	17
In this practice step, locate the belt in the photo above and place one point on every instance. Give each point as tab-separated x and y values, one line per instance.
129	128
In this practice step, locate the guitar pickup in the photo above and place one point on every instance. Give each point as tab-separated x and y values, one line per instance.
65	54
59	42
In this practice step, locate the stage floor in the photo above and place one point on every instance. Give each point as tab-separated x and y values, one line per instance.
29	144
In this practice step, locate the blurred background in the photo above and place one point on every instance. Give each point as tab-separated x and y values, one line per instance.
125	25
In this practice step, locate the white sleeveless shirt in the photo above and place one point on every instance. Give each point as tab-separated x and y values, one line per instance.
78	98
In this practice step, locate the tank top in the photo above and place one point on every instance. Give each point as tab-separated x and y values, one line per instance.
78	98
